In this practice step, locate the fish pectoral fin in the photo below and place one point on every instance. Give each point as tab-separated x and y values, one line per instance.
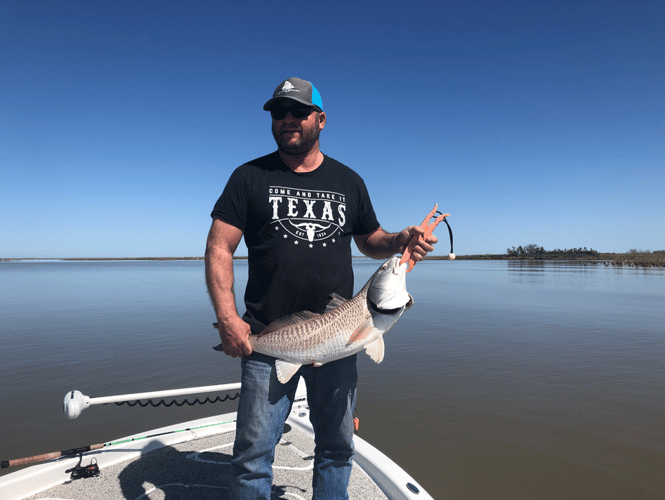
285	370
376	350
363	330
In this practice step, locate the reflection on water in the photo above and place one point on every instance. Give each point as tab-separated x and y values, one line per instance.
507	379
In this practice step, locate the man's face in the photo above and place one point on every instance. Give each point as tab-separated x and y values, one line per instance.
296	135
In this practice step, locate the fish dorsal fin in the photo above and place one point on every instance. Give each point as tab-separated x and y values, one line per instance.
363	330
335	302
376	350
289	320
285	370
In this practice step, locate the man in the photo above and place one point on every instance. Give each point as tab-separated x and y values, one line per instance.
298	210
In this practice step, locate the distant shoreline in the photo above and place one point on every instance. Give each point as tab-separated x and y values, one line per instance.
655	259
636	259
85	259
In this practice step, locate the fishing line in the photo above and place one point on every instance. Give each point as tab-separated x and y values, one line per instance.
122	441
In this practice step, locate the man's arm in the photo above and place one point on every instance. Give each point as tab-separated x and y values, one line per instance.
381	245
223	239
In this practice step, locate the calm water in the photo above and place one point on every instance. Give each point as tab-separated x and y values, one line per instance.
505	380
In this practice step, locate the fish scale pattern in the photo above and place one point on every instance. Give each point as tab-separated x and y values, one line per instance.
318	338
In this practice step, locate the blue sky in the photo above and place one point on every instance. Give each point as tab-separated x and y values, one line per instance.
529	122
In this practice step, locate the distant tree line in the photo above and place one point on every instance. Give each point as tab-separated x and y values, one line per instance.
537	252
633	258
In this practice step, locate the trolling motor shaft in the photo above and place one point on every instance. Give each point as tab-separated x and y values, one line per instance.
75	402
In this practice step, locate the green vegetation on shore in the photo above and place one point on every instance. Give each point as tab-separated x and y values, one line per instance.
636	258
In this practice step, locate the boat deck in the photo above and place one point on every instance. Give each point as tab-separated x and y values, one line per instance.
199	469
191	460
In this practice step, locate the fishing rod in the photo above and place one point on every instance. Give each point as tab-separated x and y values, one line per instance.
75	402
84	449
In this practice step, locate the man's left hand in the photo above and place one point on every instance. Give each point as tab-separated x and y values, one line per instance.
422	248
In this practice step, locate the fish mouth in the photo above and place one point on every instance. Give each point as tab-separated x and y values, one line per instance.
377	309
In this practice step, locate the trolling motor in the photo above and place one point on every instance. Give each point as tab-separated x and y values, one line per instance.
74	403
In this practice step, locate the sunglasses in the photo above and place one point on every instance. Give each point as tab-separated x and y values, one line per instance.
280	113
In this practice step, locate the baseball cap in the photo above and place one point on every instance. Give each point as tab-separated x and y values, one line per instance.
298	90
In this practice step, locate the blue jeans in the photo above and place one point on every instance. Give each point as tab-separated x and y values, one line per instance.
265	404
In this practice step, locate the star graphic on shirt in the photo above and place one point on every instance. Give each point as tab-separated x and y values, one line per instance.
311	246
324	245
295	242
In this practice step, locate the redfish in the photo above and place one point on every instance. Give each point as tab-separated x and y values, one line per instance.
347	326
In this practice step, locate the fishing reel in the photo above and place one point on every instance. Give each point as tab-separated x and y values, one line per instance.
90	470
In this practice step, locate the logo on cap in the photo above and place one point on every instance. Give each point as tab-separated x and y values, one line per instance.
288	87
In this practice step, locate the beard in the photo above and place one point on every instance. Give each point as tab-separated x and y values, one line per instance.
309	136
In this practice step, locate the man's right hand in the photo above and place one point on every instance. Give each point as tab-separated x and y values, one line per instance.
235	338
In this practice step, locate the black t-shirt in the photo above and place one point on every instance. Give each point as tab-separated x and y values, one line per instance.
298	230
